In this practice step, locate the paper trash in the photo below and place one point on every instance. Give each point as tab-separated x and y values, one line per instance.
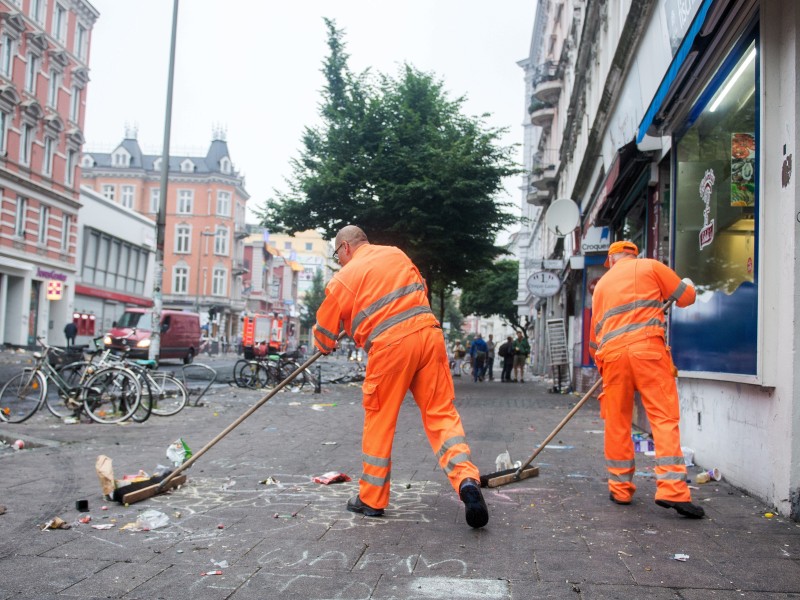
105	473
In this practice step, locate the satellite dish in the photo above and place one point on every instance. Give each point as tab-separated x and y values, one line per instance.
562	217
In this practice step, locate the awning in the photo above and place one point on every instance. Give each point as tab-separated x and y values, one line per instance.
625	170
271	250
296	266
714	29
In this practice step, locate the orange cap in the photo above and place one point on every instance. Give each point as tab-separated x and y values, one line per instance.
622	246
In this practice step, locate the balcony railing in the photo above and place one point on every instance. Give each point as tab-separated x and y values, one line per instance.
541	113
548	81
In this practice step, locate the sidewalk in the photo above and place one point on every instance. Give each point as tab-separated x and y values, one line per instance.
552	536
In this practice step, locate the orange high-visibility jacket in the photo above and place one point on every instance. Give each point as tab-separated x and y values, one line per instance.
378	297
628	303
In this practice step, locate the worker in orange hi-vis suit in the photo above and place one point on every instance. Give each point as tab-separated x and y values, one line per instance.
380	300
628	345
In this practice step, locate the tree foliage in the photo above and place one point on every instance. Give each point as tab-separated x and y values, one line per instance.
397	156
312	301
492	292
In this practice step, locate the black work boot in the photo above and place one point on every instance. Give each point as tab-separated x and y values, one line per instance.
475	507
686	509
357	506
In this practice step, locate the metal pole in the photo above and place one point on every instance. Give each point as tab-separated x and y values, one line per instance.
158	279
318	382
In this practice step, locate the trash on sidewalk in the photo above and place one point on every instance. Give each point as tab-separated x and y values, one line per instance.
707	476
769	515
103	526
217	572
503	461
86	519
55	523
269	481
18	445
681	557
178	452
2	509
331	477
688	456
322	406
642	442
223	564
152	519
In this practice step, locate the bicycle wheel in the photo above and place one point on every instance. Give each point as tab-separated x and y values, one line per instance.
298	382
242	373
22	396
111	395
169	394
142	412
466	368
66	405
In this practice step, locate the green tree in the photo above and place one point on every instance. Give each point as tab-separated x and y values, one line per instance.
453	316
311	302
400	159
492	292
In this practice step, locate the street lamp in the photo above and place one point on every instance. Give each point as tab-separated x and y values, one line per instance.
199	253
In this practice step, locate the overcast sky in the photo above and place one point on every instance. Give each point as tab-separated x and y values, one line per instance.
253	68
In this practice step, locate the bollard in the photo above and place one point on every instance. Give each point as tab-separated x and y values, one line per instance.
318	382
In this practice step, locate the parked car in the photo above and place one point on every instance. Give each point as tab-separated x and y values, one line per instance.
180	334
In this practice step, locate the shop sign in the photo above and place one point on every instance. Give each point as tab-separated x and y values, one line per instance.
706	187
54	290
596	239
50	274
543	284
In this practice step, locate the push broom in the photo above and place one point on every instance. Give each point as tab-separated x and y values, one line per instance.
524	472
157	485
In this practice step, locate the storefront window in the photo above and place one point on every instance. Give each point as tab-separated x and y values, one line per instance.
716	222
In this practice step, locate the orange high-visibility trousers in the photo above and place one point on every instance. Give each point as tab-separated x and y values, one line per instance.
645	366
416	362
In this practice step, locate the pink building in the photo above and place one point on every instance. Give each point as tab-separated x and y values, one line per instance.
44	57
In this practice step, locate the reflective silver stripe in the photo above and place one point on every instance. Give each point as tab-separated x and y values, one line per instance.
669	461
325	332
676	475
593	345
376	481
459	458
375	461
459	439
392	321
679	292
387	299
620	464
632	327
623	308
621	477
323	342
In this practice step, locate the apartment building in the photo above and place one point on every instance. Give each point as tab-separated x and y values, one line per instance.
44	72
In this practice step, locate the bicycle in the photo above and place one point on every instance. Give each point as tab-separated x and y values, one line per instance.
269	372
106	395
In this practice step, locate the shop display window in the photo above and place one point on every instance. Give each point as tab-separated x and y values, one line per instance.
716	187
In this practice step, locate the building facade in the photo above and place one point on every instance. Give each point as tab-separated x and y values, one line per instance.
205	222
679	134
44	71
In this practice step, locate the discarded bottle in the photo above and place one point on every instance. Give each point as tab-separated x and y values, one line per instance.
178	452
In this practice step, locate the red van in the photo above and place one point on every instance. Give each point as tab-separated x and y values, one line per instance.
180	334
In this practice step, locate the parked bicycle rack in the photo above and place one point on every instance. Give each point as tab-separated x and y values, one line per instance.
208	373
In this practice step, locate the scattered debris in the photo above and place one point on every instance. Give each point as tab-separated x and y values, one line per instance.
55	523
331	477
152	519
86	519
681	557
217	572
178	452
769	515
269	481
103	526
2	509
621	553
19	444
223	564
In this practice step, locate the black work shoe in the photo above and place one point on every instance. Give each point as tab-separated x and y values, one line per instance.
616	501
686	509
476	512
357	506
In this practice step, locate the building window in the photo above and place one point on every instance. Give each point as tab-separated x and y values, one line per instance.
180	280
4	120
52	89
225	165
182	239
309	246
157	165
218	280
187	166
121	159
69	175
25	143
185	201
716	221
75	104
287	245
108	191
224	204
37	11
81	42
47	159
60	23
31	69
110	261
44	221
66	223
221	241
155	198
6	56
126	196
19	219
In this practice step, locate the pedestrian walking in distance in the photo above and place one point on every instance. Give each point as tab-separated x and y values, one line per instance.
627	341
70	331
380	299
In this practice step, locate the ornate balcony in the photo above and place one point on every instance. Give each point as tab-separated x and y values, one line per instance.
548	81
542	113
539	197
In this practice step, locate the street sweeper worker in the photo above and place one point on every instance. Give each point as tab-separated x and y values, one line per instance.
380	300
627	341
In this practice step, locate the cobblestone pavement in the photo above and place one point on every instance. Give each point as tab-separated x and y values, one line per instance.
552	536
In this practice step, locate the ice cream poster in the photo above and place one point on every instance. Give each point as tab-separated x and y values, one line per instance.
743	159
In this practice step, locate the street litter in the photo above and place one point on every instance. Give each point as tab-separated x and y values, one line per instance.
269	481
217	572
294	403
707	476
769	515
103	526
223	564
642	442
117	489
503	461
329	443
279	516
85	519
331	477
55	523
621	553
178	452
19	444
152	519
681	557
688	456
322	406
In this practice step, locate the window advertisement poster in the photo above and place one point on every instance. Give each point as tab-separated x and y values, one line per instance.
716	229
